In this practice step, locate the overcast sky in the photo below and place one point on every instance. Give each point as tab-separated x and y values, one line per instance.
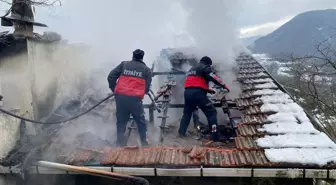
263	16
256	17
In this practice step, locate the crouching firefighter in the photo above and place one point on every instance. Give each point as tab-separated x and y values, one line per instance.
195	95
134	79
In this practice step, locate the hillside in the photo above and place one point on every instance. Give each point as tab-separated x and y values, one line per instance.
300	35
249	40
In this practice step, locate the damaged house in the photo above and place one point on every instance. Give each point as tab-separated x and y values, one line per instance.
271	135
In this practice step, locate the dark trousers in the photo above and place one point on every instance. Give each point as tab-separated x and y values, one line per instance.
196	97
126	106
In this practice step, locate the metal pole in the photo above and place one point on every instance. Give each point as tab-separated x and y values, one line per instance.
94	172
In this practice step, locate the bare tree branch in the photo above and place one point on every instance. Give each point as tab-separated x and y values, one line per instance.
312	78
37	2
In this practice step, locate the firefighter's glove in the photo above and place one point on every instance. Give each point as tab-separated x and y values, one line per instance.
226	87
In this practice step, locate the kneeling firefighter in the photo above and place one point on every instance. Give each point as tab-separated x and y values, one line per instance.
195	95
134	80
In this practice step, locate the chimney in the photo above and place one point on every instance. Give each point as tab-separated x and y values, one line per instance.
21	18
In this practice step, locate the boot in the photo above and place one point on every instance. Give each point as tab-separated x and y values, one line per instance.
144	144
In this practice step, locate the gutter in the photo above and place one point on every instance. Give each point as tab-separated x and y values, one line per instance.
201	171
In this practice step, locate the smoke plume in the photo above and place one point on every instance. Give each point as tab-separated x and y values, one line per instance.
113	29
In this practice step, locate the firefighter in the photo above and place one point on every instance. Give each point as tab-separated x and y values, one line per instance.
134	80
195	95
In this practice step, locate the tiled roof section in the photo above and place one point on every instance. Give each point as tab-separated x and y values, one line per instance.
273	123
260	75
175	157
254	119
266	120
246	143
262	103
252	71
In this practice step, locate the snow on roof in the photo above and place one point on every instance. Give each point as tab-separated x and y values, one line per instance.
279	107
288	134
309	156
296	140
277	98
288	127
267	92
262	80
266	85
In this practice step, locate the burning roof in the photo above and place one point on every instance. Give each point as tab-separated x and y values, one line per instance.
273	131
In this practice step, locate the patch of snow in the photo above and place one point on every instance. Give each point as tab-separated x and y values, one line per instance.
261	56
301	100
296	140
289	127
294	89
284	69
310	156
302	116
319	29
290	107
280	98
282	117
288	116
282	73
261	80
262	74
267	92
266	85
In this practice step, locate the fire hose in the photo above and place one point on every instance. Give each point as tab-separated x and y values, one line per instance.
71	118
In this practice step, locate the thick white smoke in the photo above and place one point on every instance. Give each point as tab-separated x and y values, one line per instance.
114	28
212	25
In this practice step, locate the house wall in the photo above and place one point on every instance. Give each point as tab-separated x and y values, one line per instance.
35	81
58	69
16	90
9	180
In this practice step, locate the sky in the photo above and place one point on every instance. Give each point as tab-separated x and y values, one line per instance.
257	17
260	17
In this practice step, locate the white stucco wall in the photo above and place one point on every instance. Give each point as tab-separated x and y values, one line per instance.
16	89
40	77
16	83
58	69
9	133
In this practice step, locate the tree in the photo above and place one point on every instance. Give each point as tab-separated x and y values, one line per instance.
314	76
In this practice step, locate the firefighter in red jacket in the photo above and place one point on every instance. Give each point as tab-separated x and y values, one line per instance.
134	79
195	95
